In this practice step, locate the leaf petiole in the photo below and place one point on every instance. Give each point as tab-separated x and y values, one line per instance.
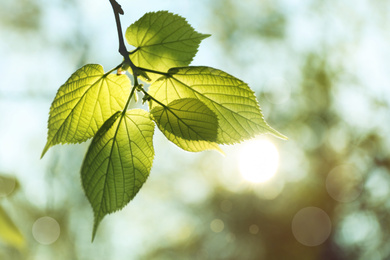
112	70
155	71
129	99
148	97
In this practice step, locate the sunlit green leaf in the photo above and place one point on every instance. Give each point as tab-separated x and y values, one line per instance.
83	103
118	162
188	123
234	103
9	233
163	40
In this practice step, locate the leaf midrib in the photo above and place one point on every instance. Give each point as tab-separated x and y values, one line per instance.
109	163
54	135
200	37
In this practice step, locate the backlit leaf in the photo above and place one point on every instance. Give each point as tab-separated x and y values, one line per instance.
83	103
234	103
163	40
118	162
188	123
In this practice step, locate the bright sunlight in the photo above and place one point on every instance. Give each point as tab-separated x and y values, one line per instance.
258	160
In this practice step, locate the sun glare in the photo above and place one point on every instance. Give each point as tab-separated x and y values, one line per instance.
258	160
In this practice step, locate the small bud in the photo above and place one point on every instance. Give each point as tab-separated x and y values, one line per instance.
146	98
120	71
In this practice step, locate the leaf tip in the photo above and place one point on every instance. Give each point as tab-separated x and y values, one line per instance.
45	149
221	151
96	223
277	134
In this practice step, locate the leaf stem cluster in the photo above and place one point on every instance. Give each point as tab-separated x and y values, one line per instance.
149	98
122	47
127	61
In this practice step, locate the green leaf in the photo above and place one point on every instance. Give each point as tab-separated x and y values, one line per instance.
118	162
234	103
87	99
163	40
9	233
188	123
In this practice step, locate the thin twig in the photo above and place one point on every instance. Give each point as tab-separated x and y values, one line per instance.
117	11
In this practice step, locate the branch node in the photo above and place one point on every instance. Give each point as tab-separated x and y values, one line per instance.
117	7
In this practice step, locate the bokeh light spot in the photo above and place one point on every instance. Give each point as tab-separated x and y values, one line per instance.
311	226
46	230
258	160
344	183
377	186
367	233
217	225
7	185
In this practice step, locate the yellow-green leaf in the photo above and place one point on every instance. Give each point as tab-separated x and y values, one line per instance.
188	123
9	233
163	40
118	162
234	103
86	100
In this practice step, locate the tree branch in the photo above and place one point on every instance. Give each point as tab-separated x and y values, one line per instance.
122	47
117	11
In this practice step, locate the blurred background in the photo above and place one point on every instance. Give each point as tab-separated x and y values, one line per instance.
321	71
